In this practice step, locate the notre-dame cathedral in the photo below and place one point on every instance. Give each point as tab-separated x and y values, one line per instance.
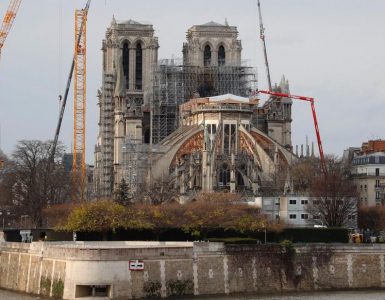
195	119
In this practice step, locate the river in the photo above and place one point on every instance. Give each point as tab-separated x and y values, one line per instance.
351	295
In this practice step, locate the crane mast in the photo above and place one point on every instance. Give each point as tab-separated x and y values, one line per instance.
79	137
8	21
262	36
64	102
318	135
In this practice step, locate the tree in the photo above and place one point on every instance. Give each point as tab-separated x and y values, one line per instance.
6	180
122	195
303	173
158	191
372	218
334	196
36	185
104	216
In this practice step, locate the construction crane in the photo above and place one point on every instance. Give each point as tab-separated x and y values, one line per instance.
64	102
262	37
311	100
79	133
8	21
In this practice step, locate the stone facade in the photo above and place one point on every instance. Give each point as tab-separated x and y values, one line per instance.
367	170
140	108
70	271
130	54
218	147
212	44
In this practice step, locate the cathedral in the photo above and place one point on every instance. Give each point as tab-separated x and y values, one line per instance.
195	121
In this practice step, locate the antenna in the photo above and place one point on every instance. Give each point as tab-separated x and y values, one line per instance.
262	36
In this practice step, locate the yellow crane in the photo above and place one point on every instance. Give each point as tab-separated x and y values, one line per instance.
79	138
8	21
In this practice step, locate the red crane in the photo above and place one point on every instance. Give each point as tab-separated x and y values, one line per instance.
311	100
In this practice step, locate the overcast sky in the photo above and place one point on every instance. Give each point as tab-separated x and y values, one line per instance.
331	50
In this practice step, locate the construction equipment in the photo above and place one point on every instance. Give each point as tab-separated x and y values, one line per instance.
262	36
311	100
64	102
79	146
8	21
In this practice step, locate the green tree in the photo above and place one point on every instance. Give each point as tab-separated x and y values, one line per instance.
122	195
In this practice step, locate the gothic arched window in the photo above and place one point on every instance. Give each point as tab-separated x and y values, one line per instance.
139	67
126	62
207	56
224	175
221	56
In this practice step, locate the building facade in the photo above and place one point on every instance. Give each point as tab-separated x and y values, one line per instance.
367	170
130	53
145	108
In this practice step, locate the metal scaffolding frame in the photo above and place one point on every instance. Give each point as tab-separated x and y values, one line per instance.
175	84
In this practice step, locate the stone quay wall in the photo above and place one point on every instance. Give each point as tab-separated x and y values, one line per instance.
80	269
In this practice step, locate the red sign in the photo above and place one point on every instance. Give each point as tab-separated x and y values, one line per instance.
136	265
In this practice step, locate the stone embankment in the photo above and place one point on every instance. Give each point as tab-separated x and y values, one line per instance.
121	270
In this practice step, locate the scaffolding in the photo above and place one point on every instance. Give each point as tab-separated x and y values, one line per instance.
175	84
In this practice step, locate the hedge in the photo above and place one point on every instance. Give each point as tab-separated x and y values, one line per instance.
296	235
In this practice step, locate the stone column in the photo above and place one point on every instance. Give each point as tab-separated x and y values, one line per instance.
214	58
191	172
232	174
132	68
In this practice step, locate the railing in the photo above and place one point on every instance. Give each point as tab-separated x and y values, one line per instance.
221	108
374	174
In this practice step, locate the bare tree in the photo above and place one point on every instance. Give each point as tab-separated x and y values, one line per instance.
36	184
159	191
334	196
303	173
6	180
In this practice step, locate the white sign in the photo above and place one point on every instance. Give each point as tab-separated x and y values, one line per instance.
136	265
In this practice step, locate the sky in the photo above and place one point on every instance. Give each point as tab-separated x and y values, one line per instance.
331	50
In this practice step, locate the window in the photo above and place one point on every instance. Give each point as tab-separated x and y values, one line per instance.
224	175
304	216
139	67
207	56
361	187
221	56
293	216
305	201
293	201
315	202
366	187
316	217
377	171
377	183
277	217
126	64
351	217
377	195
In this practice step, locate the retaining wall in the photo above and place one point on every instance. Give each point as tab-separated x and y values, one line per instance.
75	270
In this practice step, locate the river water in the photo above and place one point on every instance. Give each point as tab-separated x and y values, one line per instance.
351	295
